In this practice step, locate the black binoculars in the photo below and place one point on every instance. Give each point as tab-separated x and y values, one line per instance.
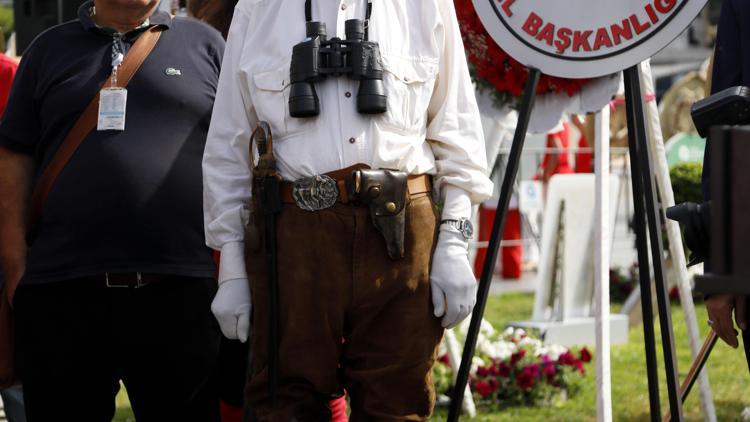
317	57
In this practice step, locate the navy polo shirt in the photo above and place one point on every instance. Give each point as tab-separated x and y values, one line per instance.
127	201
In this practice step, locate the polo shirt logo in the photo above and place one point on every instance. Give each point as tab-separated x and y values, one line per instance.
170	71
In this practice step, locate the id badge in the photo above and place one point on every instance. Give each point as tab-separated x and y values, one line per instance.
112	105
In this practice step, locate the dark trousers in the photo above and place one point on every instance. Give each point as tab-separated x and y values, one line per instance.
336	282
77	339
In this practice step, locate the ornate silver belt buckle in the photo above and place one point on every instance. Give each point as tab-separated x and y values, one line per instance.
315	193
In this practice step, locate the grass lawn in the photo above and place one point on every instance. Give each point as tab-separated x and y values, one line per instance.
730	380
728	373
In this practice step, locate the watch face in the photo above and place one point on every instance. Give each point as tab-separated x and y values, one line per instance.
468	229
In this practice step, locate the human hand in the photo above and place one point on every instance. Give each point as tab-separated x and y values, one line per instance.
231	307
720	309
453	285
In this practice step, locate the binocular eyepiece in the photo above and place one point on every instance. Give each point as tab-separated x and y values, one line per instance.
317	57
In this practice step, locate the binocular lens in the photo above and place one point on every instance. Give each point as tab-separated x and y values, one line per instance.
303	100
371	98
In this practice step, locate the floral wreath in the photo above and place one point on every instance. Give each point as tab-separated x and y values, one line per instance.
492	69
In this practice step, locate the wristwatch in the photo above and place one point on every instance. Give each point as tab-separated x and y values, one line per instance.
463	225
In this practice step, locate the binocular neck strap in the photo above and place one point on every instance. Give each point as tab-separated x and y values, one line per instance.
308	10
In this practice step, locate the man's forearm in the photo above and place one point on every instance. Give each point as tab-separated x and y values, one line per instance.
15	189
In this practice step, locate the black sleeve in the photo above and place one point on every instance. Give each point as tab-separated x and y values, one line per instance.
727	71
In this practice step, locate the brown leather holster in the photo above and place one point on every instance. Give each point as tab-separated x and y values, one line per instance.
385	191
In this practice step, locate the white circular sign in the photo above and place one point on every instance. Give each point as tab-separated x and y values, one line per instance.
585	38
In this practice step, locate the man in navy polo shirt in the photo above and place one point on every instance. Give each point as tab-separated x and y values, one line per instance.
116	281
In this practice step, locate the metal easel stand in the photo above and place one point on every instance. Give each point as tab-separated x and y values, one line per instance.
506	190
676	251
643	188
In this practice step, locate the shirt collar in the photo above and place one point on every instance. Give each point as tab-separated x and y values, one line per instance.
159	17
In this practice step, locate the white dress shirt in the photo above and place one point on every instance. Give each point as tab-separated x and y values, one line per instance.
432	125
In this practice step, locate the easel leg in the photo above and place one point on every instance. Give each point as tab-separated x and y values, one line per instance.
643	267
506	191
644	188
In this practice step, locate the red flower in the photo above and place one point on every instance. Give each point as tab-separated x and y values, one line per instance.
494	66
503	370
483	388
550	371
482	371
494	369
515	357
445	360
534	370
585	355
579	366
527	377
567	358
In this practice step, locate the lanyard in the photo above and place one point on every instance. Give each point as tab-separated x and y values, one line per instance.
119	49
118	54
308	14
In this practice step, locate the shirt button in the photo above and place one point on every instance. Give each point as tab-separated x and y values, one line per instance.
343	6
352	140
348	94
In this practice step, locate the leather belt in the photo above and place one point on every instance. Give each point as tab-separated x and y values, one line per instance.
131	280
416	184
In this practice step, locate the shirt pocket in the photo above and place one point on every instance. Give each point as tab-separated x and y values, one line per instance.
409	84
270	95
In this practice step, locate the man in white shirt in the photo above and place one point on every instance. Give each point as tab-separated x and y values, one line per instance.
335	275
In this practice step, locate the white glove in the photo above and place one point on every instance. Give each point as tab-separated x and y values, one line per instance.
231	307
454	287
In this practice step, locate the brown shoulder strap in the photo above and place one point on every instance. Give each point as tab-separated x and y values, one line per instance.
87	121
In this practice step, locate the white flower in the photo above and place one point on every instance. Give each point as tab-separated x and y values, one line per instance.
519	334
509	332
486	328
485	347
553	351
475	364
497	350
532	342
504	349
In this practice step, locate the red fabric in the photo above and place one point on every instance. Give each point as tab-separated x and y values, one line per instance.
563	163
486	217
512	256
338	410
584	160
230	413
7	71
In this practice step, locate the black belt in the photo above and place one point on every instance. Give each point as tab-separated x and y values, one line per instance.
132	280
